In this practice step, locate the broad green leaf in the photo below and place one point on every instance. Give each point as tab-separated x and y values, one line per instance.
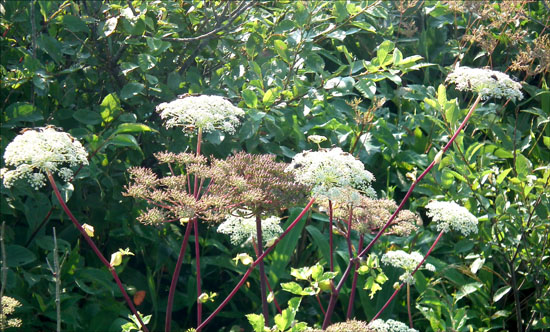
250	98
87	116
75	24
523	166
501	292
292	287
51	46
282	49
383	51
146	62
157	45
366	87
467	290
125	140
125	128
257	322
110	106
441	95
17	256
131	89
269	97
127	67
397	56
109	26
21	112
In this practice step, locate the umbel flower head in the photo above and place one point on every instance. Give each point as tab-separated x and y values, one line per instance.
242	230
485	82
332	174
406	261
9	304
205	112
389	325
369	215
258	183
451	216
36	152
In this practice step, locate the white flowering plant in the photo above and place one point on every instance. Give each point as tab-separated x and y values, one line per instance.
406	261
203	112
242	230
36	152
451	216
486	83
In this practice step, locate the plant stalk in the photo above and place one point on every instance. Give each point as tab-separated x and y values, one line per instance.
4	276
263	290
198	267
57	273
253	265
354	282
175	275
330	235
96	251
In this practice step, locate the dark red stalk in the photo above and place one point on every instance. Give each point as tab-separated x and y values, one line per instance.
263	290
334	295
354	282
409	192
96	251
198	267
330	234
256	262
320	304
416	269
175	275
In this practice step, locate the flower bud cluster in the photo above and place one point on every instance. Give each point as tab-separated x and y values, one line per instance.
406	261
487	83
34	153
242	230
332	174
205	112
389	325
451	216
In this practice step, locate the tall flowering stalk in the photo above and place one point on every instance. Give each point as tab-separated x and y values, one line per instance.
39	154
177	197
485	84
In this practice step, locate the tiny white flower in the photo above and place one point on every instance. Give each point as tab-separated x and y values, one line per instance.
390	325
242	230
34	153
485	82
406	261
205	112
451	216
333	174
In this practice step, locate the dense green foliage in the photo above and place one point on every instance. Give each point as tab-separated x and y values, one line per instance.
370	76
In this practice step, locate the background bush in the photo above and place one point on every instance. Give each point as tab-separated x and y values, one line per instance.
365	74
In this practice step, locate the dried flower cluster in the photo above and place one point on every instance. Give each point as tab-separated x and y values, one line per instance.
369	215
332	174
205	112
259	183
350	325
526	59
170	197
34	153
485	82
389	325
9	304
242	230
451	216
406	261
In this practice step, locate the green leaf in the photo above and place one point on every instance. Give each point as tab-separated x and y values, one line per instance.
501	292
125	140
110	106
51	46
17	256
127	67
269	97
250	98
108	27
292	287
125	128
75	24
87	116
282	49
146	62
397	56
523	166
22	112
157	45
257	322
130	90
383	51
467	290
366	87
441	95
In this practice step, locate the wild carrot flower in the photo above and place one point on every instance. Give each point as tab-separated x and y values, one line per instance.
34	153
485	82
451	216
333	174
242	230
406	261
205	112
390	325
9	304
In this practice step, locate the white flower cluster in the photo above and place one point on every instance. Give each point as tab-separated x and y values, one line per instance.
406	261
242	230
390	325
451	216
34	153
205	112
333	174
485	82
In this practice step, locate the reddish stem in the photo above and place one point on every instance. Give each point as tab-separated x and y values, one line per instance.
320	304
96	251
330	241
198	266
412	274
256	262
354	282
263	290
175	276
